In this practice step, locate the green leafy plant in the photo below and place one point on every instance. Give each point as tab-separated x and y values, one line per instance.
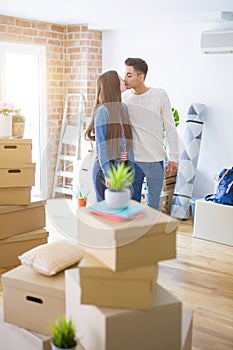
120	177
17	116
176	118
79	193
64	333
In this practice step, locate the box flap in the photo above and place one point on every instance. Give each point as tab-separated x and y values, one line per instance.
36	234
13	166
24	278
15	141
111	233
92	268
35	202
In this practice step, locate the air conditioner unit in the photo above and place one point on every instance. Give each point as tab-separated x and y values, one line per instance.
217	41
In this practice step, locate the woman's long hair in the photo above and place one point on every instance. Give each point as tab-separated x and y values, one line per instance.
108	93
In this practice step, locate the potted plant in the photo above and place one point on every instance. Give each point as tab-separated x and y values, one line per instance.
18	123
80	195
63	334
6	110
119	179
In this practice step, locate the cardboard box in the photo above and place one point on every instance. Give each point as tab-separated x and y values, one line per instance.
20	219
17	175
16	150
15	196
186	331
213	222
31	300
12	247
101	286
114	329
13	337
128	244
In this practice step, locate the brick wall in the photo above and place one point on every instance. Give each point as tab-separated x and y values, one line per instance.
74	59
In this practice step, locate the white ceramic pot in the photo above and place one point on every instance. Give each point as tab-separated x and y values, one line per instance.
54	347
117	199
5	126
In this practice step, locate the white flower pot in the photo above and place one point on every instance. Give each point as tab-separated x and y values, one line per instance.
117	199
54	347
5	126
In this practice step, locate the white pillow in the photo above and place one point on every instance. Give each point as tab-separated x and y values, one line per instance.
53	257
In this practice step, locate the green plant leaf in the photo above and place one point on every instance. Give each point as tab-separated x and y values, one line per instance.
120	177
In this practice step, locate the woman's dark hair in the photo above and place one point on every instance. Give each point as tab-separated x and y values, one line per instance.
138	64
108	93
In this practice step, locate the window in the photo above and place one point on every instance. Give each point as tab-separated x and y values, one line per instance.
23	82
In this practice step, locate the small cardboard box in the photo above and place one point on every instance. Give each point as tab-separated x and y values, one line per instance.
128	244
31	300
132	289
17	175
12	247
20	219
186	331
15	195
16	150
213	222
114	329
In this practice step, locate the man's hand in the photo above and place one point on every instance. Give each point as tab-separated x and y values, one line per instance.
171	168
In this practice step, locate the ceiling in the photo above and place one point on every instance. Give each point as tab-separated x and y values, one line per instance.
114	14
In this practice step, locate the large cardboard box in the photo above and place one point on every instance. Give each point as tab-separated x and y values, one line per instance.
31	300
187	330
100	286
12	247
20	219
15	195
14	337
17	175
114	329
16	150
213	222
128	244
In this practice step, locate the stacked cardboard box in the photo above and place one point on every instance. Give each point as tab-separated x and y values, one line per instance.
113	296
22	217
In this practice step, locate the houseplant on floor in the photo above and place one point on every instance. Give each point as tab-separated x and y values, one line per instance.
18	123
119	179
63	334
80	195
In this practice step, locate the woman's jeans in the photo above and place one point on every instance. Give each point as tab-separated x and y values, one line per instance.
99	181
154	174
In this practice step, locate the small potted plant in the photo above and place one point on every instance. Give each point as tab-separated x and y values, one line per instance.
80	195
119	179
6	110
63	334
18	123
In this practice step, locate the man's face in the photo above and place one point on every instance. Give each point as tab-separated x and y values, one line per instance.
132	79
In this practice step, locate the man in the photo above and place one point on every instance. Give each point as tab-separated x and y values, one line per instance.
150	110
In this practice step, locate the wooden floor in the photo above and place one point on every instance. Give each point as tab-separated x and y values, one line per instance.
202	278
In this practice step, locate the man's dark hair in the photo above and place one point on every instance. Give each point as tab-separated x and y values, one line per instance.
138	64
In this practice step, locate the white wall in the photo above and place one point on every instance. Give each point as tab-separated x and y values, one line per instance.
176	63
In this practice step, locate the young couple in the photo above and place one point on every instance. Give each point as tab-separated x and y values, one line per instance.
132	131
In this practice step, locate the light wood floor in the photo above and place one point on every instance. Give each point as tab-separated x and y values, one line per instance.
202	278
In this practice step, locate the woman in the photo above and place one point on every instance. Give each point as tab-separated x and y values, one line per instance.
110	128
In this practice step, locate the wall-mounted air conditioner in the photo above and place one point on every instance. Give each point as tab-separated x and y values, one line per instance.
217	41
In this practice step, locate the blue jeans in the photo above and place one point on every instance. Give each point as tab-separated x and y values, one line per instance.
98	181
154	174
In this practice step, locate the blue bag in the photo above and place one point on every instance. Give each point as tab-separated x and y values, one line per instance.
224	193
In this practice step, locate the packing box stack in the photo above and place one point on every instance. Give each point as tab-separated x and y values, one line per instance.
22	217
113	296
16	170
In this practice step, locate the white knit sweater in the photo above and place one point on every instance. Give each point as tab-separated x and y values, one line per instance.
147	113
